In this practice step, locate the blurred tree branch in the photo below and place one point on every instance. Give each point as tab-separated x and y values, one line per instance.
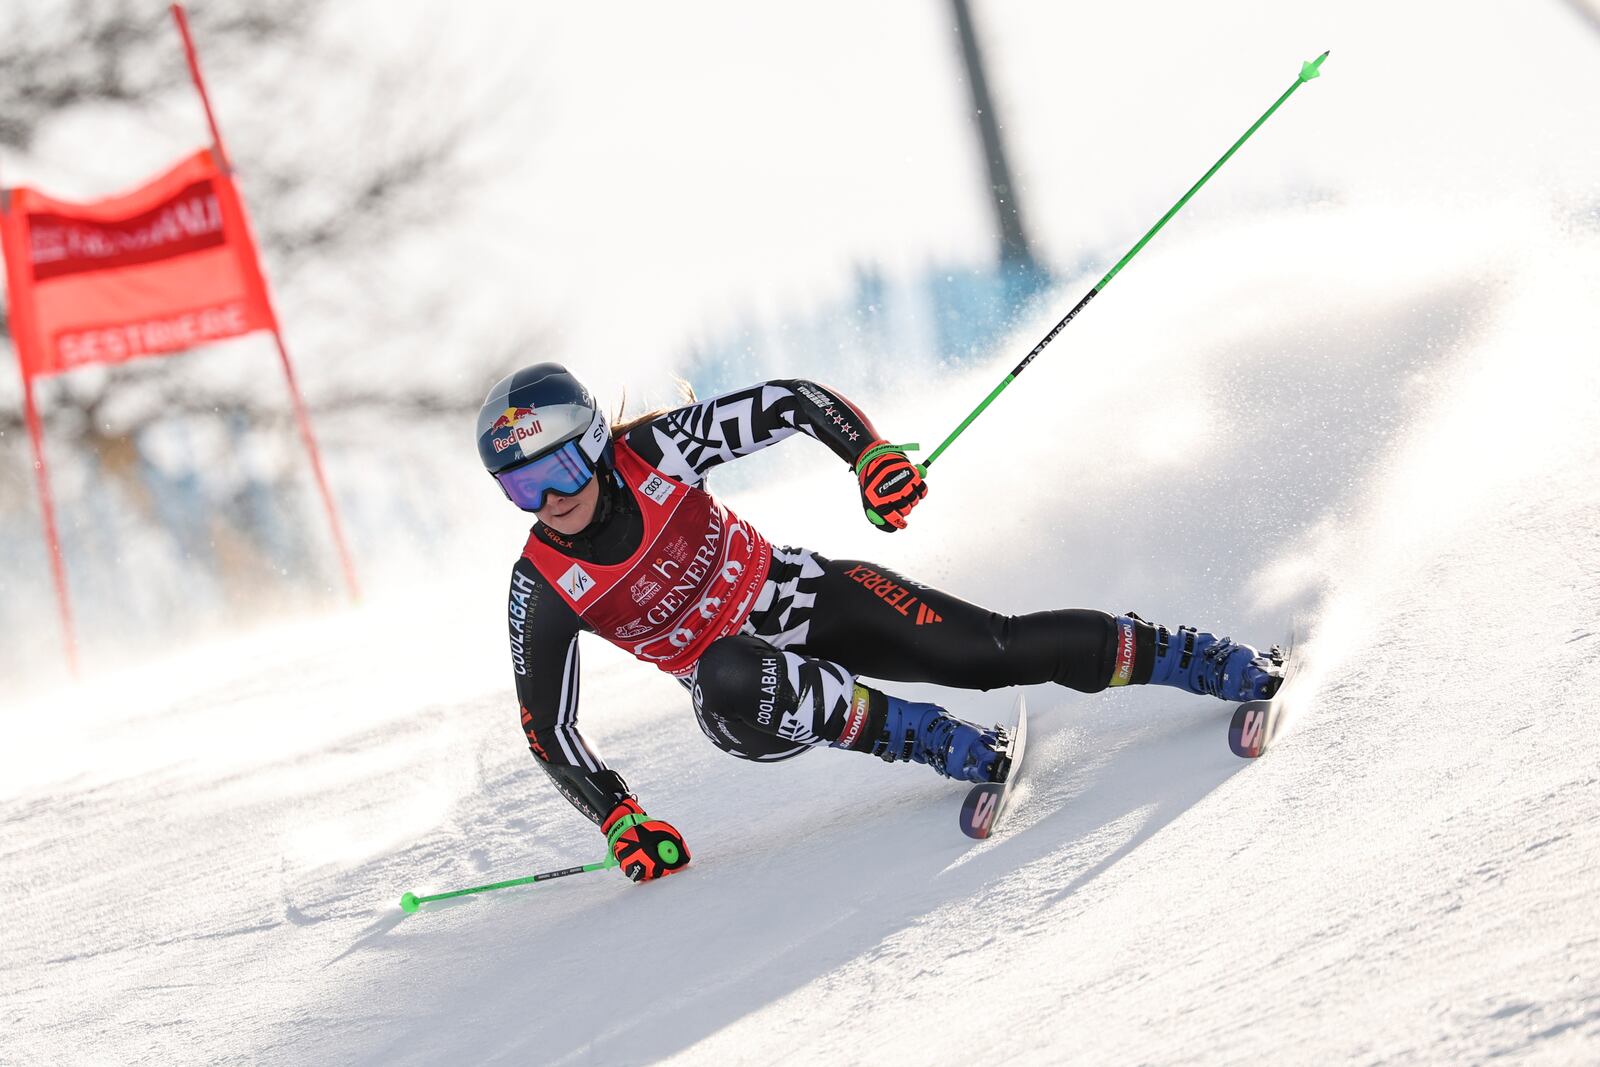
1586	11
349	156
118	51
318	215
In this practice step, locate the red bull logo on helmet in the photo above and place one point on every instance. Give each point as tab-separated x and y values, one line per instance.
513	426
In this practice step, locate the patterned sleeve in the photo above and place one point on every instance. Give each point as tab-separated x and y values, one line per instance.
689	441
544	656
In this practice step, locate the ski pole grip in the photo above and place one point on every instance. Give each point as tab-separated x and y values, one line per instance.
622	826
877	450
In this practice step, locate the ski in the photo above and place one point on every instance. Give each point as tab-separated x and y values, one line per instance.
986	803
1256	722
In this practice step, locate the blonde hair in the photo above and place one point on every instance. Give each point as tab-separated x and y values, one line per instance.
621	425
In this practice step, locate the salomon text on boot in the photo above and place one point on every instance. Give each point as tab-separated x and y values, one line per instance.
1193	660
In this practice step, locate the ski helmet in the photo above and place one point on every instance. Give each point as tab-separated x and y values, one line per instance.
540	431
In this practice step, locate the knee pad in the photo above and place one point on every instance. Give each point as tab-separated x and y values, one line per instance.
743	677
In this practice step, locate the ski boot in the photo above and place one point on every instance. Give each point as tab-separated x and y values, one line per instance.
1215	666
926	733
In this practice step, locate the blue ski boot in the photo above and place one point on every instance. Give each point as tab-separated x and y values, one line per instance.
1216	666
926	733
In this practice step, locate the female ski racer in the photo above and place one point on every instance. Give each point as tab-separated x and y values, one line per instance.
770	641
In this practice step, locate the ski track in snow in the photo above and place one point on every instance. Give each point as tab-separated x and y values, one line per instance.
1404	465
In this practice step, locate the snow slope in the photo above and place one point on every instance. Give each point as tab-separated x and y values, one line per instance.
202	859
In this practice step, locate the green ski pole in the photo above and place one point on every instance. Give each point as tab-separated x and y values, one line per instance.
410	902
1308	71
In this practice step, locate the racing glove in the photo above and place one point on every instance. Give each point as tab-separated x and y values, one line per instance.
644	848
891	484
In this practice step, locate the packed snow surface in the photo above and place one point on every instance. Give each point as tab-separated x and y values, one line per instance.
202	859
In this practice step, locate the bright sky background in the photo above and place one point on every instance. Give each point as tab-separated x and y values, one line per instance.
650	173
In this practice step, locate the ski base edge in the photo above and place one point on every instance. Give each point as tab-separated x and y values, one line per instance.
986	803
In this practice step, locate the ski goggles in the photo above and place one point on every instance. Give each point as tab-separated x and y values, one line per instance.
564	471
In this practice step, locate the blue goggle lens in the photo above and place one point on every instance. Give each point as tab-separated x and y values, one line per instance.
564	471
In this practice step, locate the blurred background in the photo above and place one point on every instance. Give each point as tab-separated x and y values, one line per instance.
884	197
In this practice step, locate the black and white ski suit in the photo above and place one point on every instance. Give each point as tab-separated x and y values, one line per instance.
816	625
